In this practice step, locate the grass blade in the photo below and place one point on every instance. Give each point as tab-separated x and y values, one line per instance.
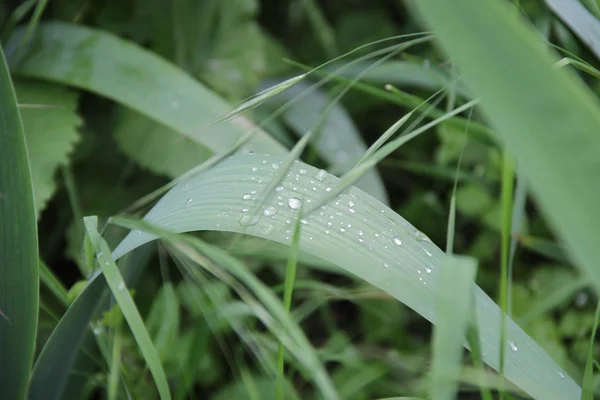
134	77
454	308
115	282
371	242
546	116
588	376
19	283
290	278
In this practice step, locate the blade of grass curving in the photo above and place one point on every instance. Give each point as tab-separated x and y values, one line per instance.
546	126
104	64
457	277
290	278
588	375
585	25
19	285
370	241
115	282
582	66
356	173
411	101
404	74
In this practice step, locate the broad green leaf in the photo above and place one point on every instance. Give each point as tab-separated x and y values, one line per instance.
19	284
457	276
156	147
355	232
50	121
546	116
117	286
104	64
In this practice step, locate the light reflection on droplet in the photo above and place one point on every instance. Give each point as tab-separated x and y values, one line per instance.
397	241
294	203
269	211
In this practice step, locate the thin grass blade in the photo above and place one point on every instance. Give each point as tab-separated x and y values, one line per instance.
115	282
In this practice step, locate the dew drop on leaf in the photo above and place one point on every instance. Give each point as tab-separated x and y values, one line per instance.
512	345
248	220
269	211
321	175
397	241
294	203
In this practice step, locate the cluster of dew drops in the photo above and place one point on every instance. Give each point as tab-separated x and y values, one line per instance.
330	214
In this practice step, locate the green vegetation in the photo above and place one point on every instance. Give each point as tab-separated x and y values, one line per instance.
223	199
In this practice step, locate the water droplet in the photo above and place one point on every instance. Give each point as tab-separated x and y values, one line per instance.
428	270
121	286
275	166
321	175
428	252
294	203
512	345
342	230
304	222
279	188
138	232
351	203
247	196
397	241
376	234
97	330
562	376
253	192
421	237
360	233
99	254
351	210
302	171
386	265
328	189
360	240
267	229
327	231
249	220
186	186
269	211
245	209
189	201
254	169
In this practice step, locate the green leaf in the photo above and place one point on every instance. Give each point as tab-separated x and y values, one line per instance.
104	64
115	281
546	116
156	147
370	241
18	249
454	310
50	121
